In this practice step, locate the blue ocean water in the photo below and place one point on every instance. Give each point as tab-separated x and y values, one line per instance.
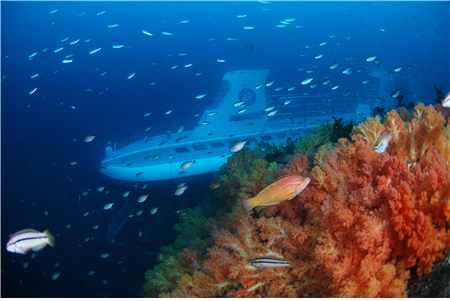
43	133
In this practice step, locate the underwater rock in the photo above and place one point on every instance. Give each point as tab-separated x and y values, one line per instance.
327	134
434	285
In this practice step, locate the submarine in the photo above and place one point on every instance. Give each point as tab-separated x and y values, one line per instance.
245	111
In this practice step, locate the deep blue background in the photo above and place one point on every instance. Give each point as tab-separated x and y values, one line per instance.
38	131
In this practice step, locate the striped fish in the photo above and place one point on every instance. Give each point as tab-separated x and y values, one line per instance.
29	239
269	262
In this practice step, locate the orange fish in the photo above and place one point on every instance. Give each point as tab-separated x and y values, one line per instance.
284	189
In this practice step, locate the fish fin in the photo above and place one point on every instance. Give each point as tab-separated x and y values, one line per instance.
51	238
249	204
38	248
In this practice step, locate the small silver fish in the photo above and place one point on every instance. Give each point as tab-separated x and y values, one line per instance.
201	96
108	206
238	146
272	113
142	198
334	66
145	32
395	94
269	262
446	101
56	275
89	139
93	51
383	143
29	239
32	55
306	81
187	164
181	188
238	104
347	71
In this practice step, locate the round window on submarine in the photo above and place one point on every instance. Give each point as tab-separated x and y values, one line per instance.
247	95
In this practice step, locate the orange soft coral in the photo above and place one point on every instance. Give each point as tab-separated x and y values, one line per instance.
354	251
418	208
409	196
365	220
227	270
370	130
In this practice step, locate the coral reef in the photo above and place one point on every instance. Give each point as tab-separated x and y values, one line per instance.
193	237
246	173
243	176
324	136
366	223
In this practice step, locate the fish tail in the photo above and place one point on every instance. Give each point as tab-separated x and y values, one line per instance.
51	238
249	203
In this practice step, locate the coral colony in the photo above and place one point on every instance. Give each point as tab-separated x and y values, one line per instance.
367	222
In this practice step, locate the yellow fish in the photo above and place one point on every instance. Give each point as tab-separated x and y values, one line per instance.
284	189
